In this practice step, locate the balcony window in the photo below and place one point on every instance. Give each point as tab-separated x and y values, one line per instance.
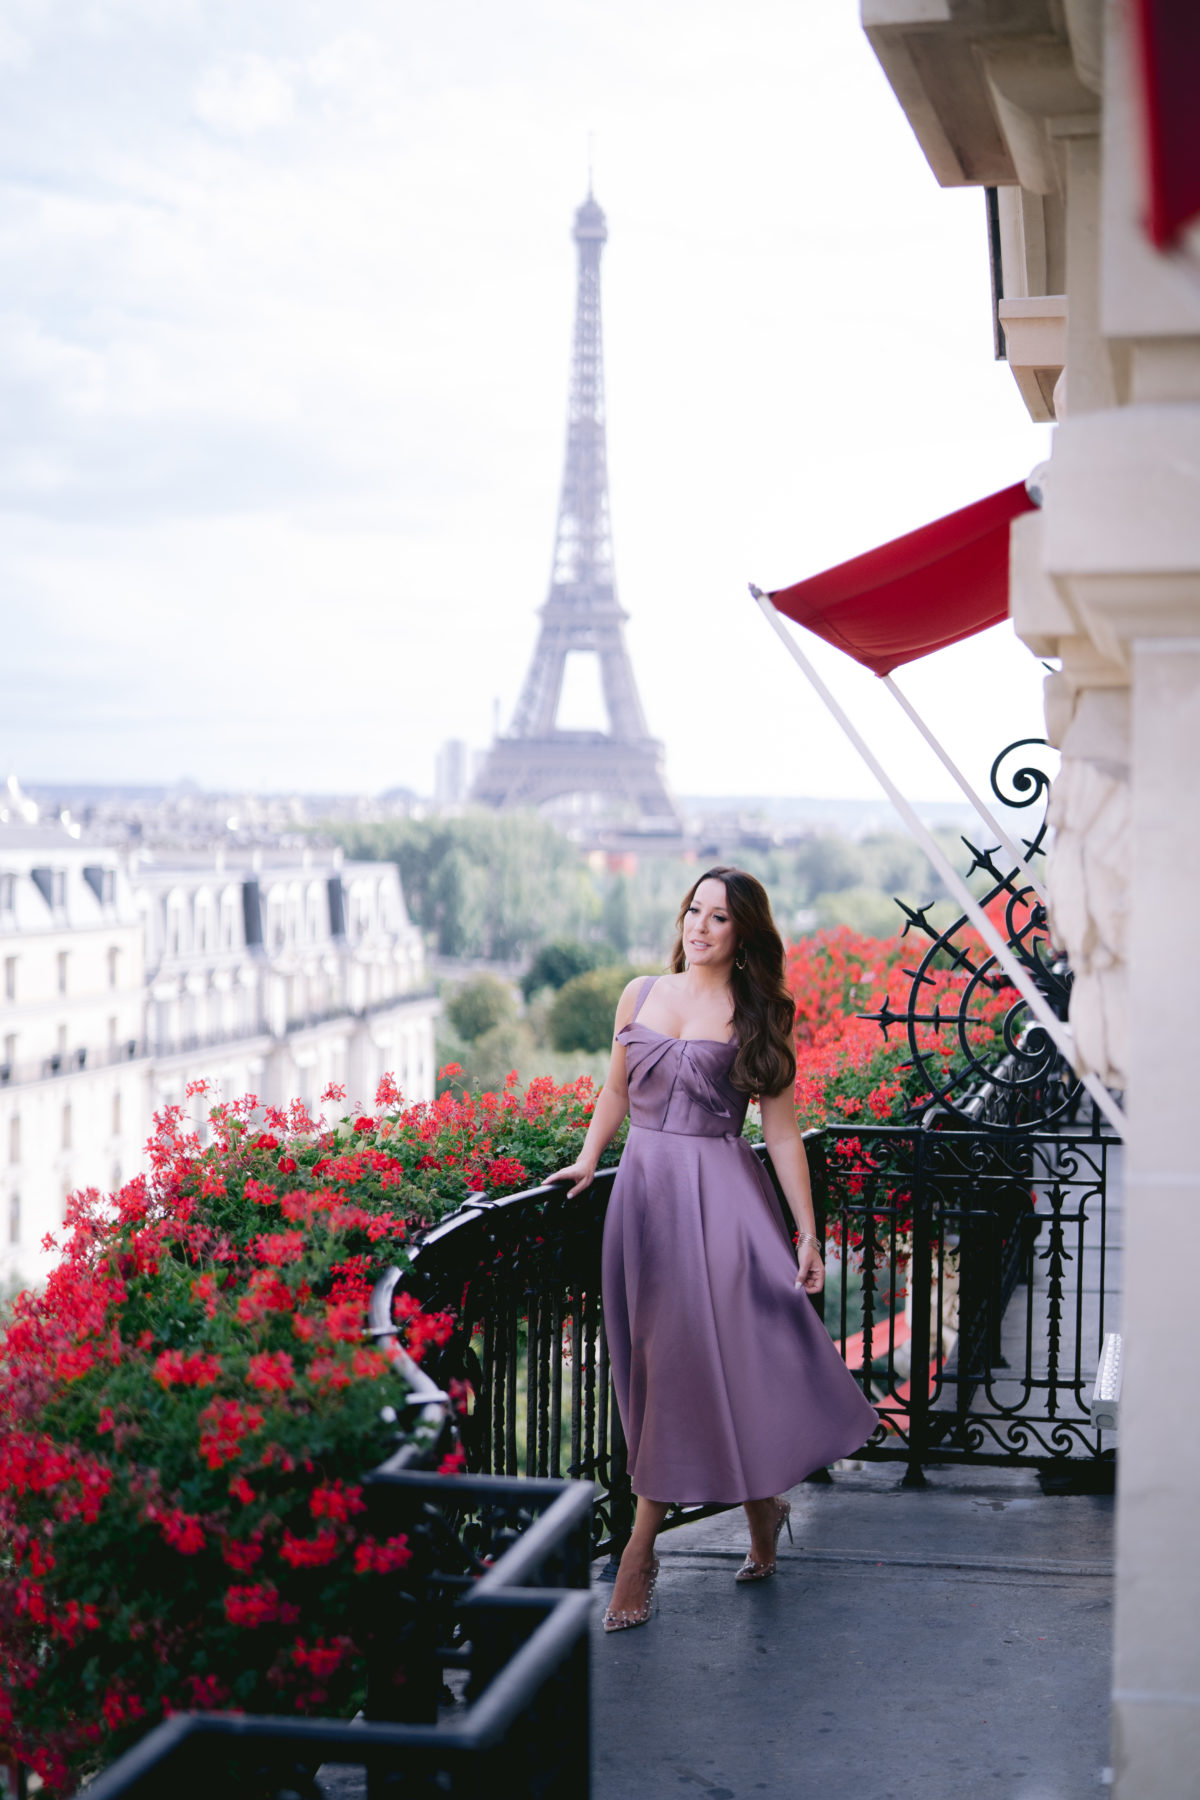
252	912
14	1138
114	965
63	957
10	978
66	1127
14	1218
116	1114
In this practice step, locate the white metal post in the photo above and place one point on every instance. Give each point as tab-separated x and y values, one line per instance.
981	806
1057	1030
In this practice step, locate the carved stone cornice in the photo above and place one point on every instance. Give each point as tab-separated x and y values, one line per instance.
1121	527
981	83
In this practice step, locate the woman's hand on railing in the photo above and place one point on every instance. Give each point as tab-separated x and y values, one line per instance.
582	1174
810	1270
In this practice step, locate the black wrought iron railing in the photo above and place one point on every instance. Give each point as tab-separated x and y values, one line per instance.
971	1253
951	1030
70	1062
988	1270
521	1275
971	1275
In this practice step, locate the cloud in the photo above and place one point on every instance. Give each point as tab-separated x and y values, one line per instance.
348	63
15	50
243	95
287	299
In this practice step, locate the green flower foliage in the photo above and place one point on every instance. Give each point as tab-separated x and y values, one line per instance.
186	1412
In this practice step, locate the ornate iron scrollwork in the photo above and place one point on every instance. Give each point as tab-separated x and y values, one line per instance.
1028	781
1027	1084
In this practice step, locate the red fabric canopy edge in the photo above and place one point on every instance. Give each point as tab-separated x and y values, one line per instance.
1167	35
922	591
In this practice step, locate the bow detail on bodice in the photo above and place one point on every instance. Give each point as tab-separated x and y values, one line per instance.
681	1084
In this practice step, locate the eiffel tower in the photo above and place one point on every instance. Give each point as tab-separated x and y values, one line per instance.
536	762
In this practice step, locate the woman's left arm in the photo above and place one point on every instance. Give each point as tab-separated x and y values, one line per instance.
785	1146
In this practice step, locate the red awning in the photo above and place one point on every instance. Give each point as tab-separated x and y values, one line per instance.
917	594
1168	38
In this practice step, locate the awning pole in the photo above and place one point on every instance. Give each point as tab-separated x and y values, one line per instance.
980	806
1058	1032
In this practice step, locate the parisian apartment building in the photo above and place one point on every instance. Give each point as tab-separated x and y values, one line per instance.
129	974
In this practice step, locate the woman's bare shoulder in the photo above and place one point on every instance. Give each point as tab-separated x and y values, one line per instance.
672	980
633	985
629	999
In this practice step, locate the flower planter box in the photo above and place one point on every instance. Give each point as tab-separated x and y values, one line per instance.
479	1667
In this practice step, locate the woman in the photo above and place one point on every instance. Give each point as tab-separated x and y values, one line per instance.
728	1385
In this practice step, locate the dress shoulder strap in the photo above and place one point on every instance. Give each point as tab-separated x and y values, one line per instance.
641	999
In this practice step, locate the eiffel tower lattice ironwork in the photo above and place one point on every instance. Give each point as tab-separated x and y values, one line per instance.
536	761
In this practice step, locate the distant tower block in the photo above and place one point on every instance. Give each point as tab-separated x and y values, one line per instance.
536	762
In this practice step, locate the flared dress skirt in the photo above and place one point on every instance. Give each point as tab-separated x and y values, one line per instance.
729	1387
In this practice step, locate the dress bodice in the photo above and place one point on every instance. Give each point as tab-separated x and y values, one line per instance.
680	1084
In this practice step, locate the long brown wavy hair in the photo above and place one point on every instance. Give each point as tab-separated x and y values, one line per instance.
763	1010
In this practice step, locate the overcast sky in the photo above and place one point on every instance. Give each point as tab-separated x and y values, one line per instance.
286	291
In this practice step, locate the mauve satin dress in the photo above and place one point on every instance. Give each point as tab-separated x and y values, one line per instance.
729	1386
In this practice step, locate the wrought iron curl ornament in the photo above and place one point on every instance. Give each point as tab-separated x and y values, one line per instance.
1024	1083
1023	786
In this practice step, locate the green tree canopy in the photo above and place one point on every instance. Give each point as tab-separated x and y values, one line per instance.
479	1005
582	1015
617	914
560	961
493	885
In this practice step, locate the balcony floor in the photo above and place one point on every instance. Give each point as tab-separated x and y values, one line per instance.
947	1642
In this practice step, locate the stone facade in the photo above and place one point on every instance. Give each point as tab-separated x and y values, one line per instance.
73	1092
1041	102
128	977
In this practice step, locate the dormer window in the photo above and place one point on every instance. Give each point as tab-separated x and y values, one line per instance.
51	884
103	883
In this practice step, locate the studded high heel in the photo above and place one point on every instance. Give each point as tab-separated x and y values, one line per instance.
759	1571
625	1621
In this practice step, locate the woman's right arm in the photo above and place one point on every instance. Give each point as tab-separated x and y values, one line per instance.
610	1108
